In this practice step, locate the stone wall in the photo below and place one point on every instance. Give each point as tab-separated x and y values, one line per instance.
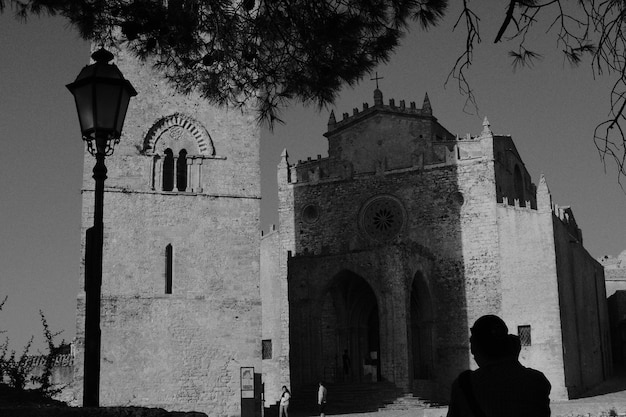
530	289
272	295
584	311
617	317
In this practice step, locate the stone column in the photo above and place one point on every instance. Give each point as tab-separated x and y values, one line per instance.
189	161
175	188
199	175
157	180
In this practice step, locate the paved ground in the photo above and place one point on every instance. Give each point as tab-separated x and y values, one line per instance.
597	403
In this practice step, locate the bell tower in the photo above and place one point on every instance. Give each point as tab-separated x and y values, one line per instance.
181	309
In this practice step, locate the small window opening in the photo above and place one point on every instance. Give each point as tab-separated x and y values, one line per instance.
524	335
169	268
181	171
266	347
168	170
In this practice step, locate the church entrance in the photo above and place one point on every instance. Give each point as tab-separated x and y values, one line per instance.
351	331
421	325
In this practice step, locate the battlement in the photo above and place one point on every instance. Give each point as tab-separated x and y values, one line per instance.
516	204
566	216
443	152
401	108
270	232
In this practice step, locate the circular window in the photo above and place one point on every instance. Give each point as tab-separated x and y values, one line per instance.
310	213
456	198
382	218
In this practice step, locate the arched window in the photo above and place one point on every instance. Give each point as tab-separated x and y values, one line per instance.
518	183
168	170
181	171
169	268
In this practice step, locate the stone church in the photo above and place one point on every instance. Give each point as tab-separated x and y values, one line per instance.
386	251
392	246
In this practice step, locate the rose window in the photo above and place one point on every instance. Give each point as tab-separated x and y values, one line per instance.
382	218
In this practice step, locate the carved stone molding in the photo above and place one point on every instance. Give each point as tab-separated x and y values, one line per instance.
173	126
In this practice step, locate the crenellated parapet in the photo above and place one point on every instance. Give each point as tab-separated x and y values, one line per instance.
272	230
438	150
379	106
515	203
566	217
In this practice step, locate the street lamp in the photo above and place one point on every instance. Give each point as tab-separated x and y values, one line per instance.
102	96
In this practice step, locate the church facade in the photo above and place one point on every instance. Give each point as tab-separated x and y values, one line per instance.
392	246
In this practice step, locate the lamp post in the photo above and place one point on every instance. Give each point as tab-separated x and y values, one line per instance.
102	96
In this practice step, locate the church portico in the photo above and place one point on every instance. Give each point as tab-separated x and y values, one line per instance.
353	305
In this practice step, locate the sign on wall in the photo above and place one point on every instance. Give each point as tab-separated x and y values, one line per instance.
247	382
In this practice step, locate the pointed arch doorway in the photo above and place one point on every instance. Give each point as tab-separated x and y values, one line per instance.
351	330
421	335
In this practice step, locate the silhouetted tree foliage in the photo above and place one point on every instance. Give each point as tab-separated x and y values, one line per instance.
237	51
271	52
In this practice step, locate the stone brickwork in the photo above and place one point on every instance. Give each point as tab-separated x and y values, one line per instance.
584	310
615	278
275	321
181	303
394	244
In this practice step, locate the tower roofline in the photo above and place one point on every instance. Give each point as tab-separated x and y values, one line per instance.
379	107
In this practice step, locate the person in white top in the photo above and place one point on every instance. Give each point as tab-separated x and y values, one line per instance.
321	398
283	409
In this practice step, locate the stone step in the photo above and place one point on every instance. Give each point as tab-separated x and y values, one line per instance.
355	397
407	402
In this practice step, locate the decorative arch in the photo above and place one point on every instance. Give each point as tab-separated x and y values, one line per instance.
195	128
350	327
421	337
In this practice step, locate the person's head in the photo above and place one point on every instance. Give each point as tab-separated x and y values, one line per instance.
321	383
489	339
515	346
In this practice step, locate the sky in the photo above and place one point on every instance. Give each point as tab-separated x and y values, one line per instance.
550	110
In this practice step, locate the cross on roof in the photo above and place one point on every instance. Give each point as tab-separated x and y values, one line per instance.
376	78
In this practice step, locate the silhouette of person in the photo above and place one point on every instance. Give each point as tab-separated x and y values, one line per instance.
346	362
501	386
321	398
283	408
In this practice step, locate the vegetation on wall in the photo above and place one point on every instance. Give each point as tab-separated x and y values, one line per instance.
15	370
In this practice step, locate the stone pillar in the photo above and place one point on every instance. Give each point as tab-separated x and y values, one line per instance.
175	174
198	163
189	161
157	180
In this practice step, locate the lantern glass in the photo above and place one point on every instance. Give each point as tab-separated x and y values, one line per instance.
121	113
83	96
107	104
102	96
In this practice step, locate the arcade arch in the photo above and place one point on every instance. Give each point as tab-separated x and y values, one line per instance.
350	326
421	325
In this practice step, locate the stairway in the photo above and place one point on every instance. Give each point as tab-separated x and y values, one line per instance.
408	402
358	397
